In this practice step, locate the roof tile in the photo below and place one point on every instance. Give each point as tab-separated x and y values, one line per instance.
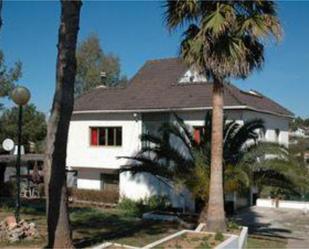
155	86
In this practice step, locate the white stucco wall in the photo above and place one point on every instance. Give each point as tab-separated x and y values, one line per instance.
271	203
271	124
81	154
90	159
88	179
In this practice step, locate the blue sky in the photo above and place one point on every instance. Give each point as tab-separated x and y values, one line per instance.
135	32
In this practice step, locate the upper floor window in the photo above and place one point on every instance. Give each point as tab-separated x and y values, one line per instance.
106	136
197	133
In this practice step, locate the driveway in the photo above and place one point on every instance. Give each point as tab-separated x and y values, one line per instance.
285	223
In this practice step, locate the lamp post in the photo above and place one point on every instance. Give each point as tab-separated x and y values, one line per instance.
20	96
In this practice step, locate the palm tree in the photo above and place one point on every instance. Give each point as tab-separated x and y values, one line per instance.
174	155
59	232
223	39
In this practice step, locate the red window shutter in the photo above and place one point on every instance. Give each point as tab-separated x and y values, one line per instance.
94	136
197	135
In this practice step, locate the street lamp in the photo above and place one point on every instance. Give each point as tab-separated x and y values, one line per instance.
20	95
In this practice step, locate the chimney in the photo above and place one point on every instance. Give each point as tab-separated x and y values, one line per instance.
103	79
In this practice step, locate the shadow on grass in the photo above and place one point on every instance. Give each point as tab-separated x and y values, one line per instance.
92	226
96	227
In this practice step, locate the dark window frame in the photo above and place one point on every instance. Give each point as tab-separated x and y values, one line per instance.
113	136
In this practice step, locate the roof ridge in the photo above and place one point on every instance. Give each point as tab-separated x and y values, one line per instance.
164	59
101	88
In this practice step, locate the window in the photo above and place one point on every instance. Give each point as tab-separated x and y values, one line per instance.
110	182
197	133
106	136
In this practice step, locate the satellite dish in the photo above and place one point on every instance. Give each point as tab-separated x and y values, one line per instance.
8	144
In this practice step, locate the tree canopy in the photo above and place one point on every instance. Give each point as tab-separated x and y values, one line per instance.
299	122
34	125
91	62
8	77
224	38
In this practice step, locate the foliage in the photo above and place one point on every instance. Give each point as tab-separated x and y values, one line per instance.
272	166
91	61
299	122
105	196
219	236
189	158
224	38
137	208
131	207
188	162
8	77
34	125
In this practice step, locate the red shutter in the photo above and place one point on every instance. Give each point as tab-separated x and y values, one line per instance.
94	136
197	135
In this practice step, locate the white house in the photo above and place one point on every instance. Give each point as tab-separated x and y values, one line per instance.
107	123
299	133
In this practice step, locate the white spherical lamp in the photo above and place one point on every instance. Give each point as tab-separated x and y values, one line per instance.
20	95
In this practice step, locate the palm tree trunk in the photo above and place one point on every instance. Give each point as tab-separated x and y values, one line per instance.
59	232
215	213
203	214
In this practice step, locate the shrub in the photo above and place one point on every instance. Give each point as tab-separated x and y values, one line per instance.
157	203
137	208
232	225
131	207
106	196
219	236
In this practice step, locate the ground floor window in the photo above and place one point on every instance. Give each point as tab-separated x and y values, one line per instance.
109	181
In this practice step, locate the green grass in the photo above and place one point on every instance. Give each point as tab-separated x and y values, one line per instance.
93	225
265	242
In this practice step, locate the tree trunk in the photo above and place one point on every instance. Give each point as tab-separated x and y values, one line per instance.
2	175
59	232
215	214
203	214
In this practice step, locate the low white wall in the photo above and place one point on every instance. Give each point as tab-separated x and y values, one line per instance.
271	203
242	239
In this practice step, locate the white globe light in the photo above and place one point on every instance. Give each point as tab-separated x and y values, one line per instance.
21	95
8	144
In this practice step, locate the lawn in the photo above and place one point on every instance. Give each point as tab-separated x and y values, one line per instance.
265	242
95	225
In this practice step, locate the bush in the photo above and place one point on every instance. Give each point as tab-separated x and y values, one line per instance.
106	196
219	236
155	202
137	208
131	207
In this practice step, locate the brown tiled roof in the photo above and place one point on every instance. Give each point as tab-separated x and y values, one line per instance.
156	87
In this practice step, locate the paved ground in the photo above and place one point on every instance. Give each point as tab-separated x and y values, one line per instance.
287	223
